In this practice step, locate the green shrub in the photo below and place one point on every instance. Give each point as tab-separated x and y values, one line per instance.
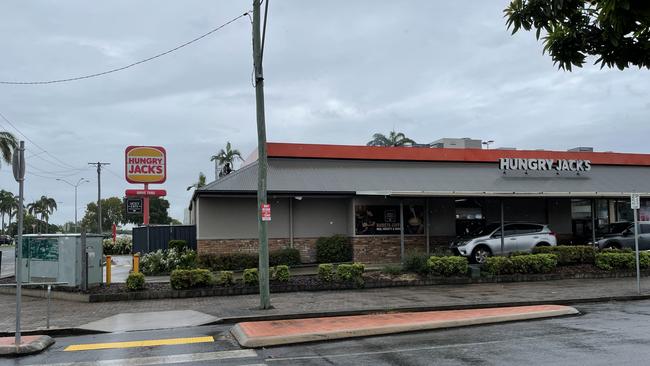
123	245
617	260
223	262
350	273
392	270
179	245
280	273
326	272
524	264
287	257
448	266
415	262
569	254
517	253
165	261
333	249
181	279
135	281
534	263
251	276
498	266
225	278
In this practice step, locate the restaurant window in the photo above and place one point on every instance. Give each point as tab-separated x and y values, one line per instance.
623	211
469	215
385	219
581	221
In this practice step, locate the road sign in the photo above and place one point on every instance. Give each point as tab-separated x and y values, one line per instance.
145	192
18	165
266	212
134	205
635	201
145	164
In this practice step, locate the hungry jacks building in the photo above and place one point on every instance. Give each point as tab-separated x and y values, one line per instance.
392	200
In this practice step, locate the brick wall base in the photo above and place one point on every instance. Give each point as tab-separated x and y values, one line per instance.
366	249
306	246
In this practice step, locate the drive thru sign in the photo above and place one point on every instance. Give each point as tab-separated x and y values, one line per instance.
266	212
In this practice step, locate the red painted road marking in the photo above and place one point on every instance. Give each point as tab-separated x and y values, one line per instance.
343	323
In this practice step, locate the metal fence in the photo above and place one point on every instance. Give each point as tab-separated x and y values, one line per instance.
151	238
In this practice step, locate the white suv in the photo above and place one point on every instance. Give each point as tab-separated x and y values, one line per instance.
519	237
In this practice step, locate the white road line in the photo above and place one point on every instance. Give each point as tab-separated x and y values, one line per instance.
163	360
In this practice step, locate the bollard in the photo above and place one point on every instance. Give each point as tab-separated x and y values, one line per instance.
49	294
108	270
136	263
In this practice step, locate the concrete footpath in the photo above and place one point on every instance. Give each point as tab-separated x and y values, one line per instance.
68	314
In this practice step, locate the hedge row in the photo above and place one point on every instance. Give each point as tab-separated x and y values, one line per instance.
448	266
239	261
568	255
345	273
524	264
615	260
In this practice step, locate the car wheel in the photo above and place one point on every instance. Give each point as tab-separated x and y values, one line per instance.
543	244
480	255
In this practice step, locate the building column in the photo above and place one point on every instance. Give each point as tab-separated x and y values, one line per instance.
503	234
593	221
426	224
291	222
401	229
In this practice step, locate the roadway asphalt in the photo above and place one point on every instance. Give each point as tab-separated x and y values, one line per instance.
606	334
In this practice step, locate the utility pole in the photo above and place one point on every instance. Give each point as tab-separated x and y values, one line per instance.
99	194
18	164
265	296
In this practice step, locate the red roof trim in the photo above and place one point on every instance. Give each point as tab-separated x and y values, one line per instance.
317	151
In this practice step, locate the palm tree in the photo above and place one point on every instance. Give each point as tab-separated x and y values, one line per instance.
8	143
6	205
198	184
44	207
393	139
226	159
13	209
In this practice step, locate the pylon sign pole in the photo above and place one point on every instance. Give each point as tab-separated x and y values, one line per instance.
19	174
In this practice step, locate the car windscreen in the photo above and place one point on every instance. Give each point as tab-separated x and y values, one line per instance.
615	228
487	230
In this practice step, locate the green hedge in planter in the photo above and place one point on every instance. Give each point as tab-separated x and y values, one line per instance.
239	261
568	255
280	273
179	245
350	273
326	272
135	281
224	278
416	262
251	276
182	279
333	249
614	260
285	257
448	266
523	264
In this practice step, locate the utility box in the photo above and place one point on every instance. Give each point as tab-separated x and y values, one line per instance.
61	258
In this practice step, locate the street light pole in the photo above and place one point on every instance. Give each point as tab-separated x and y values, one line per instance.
79	182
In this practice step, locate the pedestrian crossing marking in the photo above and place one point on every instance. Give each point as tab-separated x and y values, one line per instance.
143	343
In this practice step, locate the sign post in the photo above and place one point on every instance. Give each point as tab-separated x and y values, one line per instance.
18	165
635	203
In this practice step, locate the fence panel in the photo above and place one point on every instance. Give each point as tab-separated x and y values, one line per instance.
151	238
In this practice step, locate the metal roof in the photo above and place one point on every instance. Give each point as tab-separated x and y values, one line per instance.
415	178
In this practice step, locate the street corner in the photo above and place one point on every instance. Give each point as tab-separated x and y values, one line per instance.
28	345
291	331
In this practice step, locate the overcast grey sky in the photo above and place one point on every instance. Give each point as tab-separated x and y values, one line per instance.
336	72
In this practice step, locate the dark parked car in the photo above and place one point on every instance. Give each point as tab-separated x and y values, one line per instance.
620	235
6	239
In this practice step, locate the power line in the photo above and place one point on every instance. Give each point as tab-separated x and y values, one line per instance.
77	78
66	165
